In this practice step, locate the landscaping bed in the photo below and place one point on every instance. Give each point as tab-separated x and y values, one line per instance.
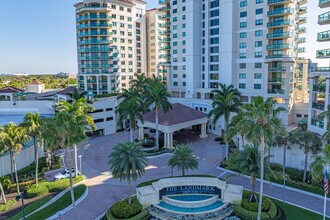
158	152
121	210
59	204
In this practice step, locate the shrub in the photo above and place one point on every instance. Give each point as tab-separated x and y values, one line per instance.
146	135
144	215
34	191
122	210
218	139
8	205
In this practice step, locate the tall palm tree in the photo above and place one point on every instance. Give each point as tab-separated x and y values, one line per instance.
157	95
32	123
259	122
225	101
317	167
79	107
128	162
308	141
247	161
129	109
183	159
13	137
140	83
234	127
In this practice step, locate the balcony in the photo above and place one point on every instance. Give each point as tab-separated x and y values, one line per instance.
276	91
302	30
319	88
93	33
279	46
279	57
164	39
93	25
302	10
278	2
94	42
165	48
281	23
280	35
323	36
81	18
317	122
165	8
280	11
166	32
318	105
302	20
320	54
324	18
301	40
162	25
94	49
322	69
165	16
302	2
162	2
324	3
277	69
301	50
276	80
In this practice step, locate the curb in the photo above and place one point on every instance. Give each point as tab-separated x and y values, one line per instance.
160	155
279	185
62	212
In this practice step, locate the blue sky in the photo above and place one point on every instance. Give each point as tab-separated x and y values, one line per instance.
38	36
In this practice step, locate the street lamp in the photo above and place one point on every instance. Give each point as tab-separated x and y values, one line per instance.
20	196
80	158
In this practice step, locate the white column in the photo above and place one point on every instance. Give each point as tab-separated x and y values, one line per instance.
97	85
141	135
165	139
326	102
203	131
170	139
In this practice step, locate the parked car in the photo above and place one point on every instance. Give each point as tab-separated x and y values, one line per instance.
65	174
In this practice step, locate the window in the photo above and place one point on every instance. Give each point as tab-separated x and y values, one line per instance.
257	75
259	11
243	35
298	115
258	33
242	76
241	85
214	31
242	65
214	40
175	83
258	44
215	13
109	109
243	3
243	14
242	55
258	54
259	1
109	118
257	86
214	22
259	22
258	65
242	45
243	24
98	120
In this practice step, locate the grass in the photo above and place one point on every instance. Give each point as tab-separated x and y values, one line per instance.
31	208
293	212
59	205
8	205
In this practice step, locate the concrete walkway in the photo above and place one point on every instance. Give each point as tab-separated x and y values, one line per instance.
105	191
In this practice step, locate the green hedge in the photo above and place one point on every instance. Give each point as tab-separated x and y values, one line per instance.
59	204
8	205
45	187
155	153
122	210
143	215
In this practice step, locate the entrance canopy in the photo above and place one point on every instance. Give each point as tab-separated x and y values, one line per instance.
178	118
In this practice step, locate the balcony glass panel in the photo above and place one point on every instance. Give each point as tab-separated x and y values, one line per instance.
318	105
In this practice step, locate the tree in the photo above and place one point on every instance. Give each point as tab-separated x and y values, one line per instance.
79	107
2	149
326	116
234	127
226	100
32	123
247	162
183	159
13	138
308	141
260	121
140	83
320	161
128	162
157	95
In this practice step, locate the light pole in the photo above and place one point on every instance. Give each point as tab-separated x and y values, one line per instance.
22	198
80	158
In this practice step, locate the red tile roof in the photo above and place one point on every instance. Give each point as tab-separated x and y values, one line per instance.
10	89
36	82
179	114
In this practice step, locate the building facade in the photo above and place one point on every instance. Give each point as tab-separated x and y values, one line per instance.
111	43
320	76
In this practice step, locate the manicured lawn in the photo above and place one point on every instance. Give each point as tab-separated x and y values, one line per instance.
30	208
59	205
293	212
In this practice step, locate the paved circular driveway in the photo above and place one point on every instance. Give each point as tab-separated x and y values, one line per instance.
104	190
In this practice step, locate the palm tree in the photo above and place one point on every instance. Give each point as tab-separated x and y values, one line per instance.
32	123
2	149
226	100
259	122
128	162
79	107
140	83
129	108
13	138
320	161
234	127
308	141
157	95
247	161
326	116
183	159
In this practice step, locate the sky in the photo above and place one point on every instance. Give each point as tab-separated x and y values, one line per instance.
39	36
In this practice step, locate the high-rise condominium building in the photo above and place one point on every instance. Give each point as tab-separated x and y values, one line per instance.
320	76
253	45
111	42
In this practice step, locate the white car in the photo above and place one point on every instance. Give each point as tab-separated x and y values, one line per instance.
65	174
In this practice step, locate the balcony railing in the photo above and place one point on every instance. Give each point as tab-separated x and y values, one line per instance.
94	25
163	2
276	80
94	42
271	2
317	122
323	36
324	3
322	69
302	10
301	50
302	30
277	69
280	23
319	88
280	35
80	18
318	105
276	91
91	33
278	56
278	46
280	11
323	53
324	18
